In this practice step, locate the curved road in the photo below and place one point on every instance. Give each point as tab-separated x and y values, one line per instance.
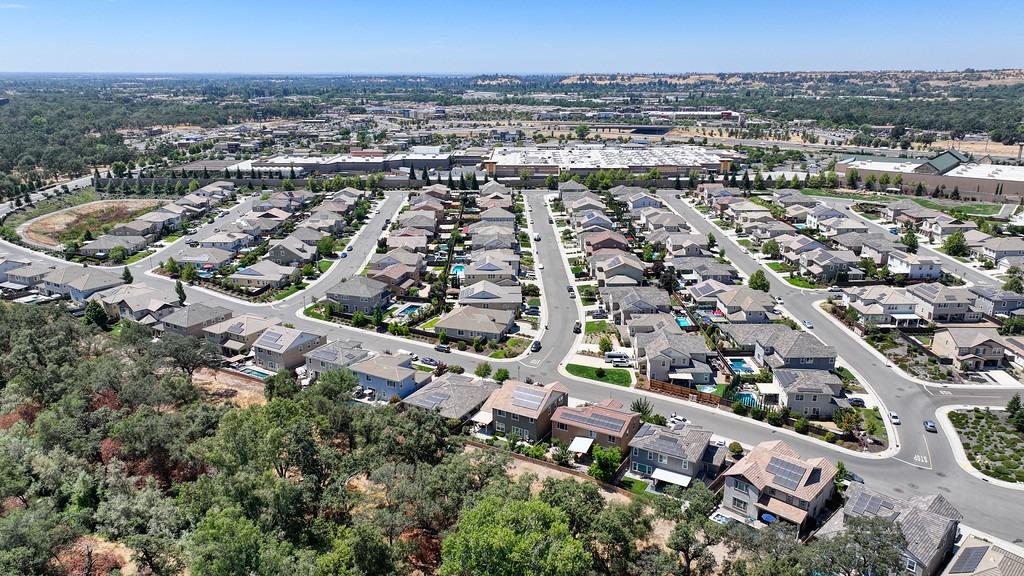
919	463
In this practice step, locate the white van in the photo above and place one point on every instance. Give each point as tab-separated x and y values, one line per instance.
614	355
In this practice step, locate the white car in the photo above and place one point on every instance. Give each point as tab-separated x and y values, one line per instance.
779	299
540	266
894	418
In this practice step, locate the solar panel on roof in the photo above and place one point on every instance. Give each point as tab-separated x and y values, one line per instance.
969	559
597	420
787	474
527	398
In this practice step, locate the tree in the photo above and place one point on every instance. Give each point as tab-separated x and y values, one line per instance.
325	247
1013	406
771	249
126	276
956	244
117	254
1014	284
712	241
187	353
226	542
605	344
442	337
483	370
868	545
758	281
505	536
909	239
694	533
280	385
500	375
171	268
582	131
180	291
606	462
642	406
95	315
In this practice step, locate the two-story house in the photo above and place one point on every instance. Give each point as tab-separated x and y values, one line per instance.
939	303
971	349
235	336
281	348
675	455
606	423
914	266
795	349
525	410
191	320
360	294
390	376
335	355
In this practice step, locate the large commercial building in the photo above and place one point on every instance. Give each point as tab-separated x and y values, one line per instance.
542	161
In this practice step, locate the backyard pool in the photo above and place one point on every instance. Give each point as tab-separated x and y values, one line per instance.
746	398
707	388
684	321
408	309
740	366
255	372
457	269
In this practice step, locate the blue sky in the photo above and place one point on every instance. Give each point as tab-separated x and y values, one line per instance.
513	36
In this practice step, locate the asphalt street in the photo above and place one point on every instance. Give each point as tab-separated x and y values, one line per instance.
923	463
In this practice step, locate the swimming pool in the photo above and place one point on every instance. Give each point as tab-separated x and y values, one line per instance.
408	309
708	388
255	372
740	365
746	398
684	321
457	269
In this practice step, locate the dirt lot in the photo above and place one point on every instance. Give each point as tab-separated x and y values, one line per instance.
52	229
224	386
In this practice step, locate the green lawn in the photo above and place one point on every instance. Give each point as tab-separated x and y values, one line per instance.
172	238
510	349
324	265
533	302
745	243
976	208
596	326
637	488
870	415
139	256
801	282
286	292
429	324
781	267
617	376
313	312
722	224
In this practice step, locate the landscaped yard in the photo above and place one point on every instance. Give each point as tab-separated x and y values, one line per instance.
617	376
781	267
138	256
873	422
533	302
991	442
286	292
429	324
324	265
594	326
588	295
745	243
510	349
801	282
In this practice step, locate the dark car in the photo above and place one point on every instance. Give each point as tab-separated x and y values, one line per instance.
568	288
856	402
535	347
443	348
929	425
429	361
577	327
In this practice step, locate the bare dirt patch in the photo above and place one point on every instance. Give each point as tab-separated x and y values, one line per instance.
53	229
224	386
520	467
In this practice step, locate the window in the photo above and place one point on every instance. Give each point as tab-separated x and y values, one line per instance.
499	426
592	434
561	425
814	397
686	465
532	420
911	565
636	451
650	455
500	413
799	396
611	439
515	417
740	486
662	459
739	504
636	466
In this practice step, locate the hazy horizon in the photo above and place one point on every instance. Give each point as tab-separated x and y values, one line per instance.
460	37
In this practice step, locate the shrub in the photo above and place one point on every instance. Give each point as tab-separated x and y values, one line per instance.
830	438
757	413
456	369
802	426
735	449
600	372
740	408
776	418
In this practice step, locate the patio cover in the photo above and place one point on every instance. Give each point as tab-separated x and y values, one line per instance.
663	475
580	445
483	417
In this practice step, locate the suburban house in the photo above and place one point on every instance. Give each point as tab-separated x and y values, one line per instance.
335	355
102	245
996	302
744	304
772	482
204	258
1000	247
795	245
263	274
282	348
29	275
654	219
624	302
602	239
456	397
646	324
675	455
642	200
938	303
592	221
397	256
744	337
971	349
705	294
137	303
795	349
882	306
229	241
929	525
325	222
488	295
360	294
142	228
828	266
819	214
941	227
498	215
841	225
291	251
978	557
681	359
914	266
78	283
308	236
420	219
8	263
489	269
469	322
813	394
525	410
401	279
193	319
606	423
612	267
390	376
235	336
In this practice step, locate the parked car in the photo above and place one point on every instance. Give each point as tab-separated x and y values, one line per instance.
599	314
856	402
348	248
403	352
808	325
929	426
569	288
540	265
344	254
895	418
535	347
621	363
572	295
778	299
443	348
551	221
536	237
577	327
